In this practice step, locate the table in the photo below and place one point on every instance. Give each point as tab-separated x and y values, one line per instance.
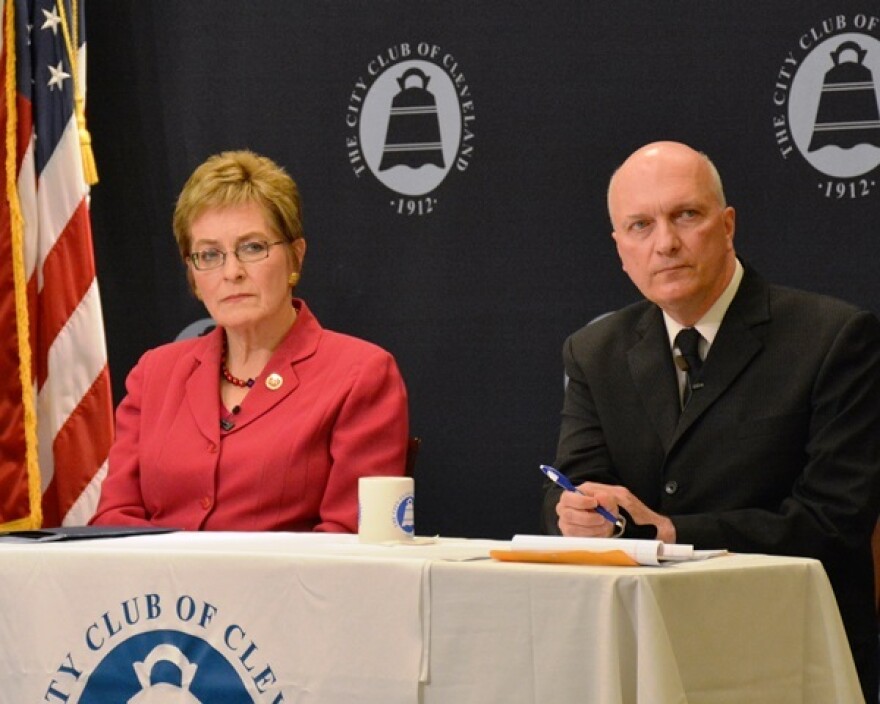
235	617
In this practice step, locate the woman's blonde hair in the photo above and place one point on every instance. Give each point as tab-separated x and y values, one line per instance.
237	178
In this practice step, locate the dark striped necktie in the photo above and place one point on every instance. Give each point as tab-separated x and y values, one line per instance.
688	343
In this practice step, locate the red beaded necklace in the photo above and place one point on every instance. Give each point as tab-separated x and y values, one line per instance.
226	374
243	383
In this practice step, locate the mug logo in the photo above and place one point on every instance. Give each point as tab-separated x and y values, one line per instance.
826	105
410	124
404	514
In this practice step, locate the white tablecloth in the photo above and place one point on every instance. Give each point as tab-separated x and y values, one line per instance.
732	630
289	618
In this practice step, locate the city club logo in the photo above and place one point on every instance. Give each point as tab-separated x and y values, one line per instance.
404	514
410	120
826	107
159	649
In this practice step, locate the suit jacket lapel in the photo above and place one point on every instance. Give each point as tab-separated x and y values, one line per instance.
203	385
653	373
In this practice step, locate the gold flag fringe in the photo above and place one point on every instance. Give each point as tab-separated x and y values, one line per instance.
16	228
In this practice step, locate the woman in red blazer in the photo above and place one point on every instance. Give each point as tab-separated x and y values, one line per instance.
267	422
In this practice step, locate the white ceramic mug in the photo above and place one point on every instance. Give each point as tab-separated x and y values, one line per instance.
386	509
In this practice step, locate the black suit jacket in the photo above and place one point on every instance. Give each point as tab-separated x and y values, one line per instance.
778	453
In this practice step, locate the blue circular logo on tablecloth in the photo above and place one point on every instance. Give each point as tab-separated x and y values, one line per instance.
164	666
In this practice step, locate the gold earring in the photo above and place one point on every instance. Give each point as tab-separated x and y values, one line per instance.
293	279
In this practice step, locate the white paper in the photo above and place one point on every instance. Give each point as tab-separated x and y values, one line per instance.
645	552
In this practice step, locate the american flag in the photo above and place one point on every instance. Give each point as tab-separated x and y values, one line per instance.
56	421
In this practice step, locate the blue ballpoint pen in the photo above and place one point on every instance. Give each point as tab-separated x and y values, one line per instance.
558	478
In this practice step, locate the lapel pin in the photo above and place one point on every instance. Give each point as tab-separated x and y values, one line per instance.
274	382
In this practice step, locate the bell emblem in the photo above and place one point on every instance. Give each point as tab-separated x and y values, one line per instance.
163	692
848	113
413	136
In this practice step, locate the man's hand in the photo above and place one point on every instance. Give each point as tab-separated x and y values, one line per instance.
577	516
577	512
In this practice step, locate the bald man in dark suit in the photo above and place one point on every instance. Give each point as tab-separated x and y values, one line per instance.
761	435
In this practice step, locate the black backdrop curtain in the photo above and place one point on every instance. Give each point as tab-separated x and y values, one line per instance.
472	273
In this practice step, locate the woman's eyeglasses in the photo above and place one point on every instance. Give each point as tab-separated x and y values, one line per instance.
246	252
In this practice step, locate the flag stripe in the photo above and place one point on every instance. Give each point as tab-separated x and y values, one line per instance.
78	450
82	509
67	277
75	361
59	193
27	198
